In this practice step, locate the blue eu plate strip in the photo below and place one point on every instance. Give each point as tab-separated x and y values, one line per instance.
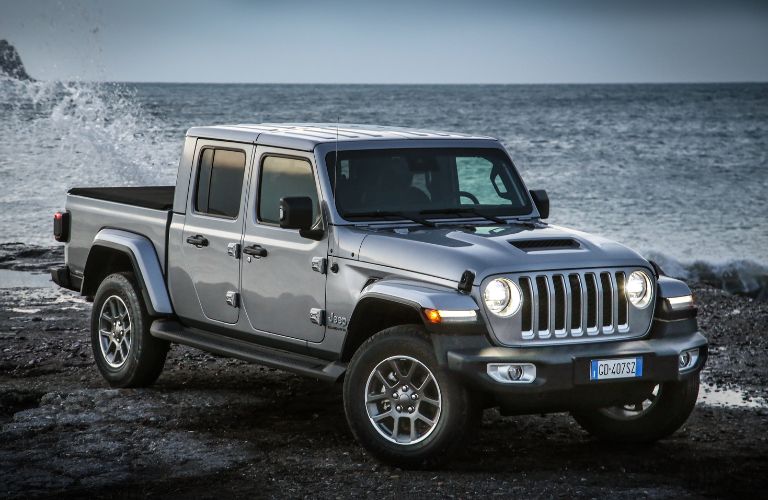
593	370
639	370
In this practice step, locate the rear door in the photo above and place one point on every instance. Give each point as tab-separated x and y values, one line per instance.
214	226
283	293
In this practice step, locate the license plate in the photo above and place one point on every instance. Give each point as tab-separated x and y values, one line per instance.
604	369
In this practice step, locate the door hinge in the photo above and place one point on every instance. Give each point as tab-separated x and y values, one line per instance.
233	250
233	299
319	264
317	316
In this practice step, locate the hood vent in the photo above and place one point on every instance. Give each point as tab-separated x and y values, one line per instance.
546	245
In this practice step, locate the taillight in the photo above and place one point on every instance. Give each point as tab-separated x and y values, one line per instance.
61	226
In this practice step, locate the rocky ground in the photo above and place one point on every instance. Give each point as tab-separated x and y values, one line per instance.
212	426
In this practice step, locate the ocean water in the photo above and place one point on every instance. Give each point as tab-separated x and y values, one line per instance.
679	172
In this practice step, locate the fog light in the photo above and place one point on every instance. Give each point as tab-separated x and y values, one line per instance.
515	372
687	359
512	373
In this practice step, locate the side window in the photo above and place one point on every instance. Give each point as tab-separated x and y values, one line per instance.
281	178
220	182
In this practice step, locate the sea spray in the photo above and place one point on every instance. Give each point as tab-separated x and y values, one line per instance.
56	135
92	131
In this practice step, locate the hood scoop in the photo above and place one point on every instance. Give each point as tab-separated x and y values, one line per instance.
545	245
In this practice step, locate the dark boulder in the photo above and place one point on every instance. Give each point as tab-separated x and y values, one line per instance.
10	62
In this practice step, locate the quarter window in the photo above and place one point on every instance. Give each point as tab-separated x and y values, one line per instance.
281	178
220	182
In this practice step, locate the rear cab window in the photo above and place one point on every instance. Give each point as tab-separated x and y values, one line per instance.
220	182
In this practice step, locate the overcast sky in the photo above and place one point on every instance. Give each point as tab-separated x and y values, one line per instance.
391	41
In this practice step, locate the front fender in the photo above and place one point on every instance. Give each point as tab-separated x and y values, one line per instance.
146	265
419	295
395	301
670	287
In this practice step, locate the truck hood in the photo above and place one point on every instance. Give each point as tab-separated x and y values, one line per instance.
448	252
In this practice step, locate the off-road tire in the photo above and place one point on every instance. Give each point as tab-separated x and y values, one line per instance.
675	403
146	356
459	415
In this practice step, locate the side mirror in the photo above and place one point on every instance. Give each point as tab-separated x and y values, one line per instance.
296	213
541	200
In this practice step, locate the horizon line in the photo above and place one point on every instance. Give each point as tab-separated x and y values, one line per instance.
170	82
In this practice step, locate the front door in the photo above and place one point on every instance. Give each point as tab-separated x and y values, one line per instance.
214	225
283	293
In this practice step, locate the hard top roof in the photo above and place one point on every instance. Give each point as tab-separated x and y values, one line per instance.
307	135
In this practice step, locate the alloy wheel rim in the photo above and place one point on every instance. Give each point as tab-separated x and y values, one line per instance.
115	331
637	409
403	400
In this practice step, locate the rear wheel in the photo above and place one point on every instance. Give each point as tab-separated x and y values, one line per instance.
656	416
125	352
401	405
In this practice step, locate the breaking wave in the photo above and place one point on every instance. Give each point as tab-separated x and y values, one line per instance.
88	130
742	277
56	135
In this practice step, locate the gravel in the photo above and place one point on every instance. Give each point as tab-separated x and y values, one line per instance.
213	426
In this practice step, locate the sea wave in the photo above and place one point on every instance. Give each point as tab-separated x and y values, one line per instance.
89	131
57	135
738	276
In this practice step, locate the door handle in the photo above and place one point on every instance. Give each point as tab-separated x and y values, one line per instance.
198	240
255	250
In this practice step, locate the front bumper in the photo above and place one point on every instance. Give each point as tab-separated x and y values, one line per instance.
562	371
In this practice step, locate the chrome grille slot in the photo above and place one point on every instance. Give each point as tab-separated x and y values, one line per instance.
593	303
561	305
621	320
542	289
569	305
526	310
606	284
576	309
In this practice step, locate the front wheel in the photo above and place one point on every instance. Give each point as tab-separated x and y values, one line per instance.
125	352
401	405
658	415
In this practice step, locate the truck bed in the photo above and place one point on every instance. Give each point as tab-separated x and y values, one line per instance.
154	197
140	210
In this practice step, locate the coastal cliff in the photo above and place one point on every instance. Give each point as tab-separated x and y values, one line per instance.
10	62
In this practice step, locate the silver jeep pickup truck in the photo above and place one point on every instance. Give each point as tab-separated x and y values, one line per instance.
414	266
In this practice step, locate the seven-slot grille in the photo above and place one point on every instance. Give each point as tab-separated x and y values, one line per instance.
573	304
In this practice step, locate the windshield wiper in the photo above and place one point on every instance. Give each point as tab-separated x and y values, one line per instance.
390	213
462	210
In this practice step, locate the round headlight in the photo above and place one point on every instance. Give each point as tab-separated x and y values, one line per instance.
638	289
502	297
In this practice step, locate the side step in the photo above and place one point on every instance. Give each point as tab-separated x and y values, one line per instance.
308	366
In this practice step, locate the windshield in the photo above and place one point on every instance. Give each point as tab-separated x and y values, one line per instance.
440	182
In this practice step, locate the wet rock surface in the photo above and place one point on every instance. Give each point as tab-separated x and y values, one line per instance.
21	257
213	426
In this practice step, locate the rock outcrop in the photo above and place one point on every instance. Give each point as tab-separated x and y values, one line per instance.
10	62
